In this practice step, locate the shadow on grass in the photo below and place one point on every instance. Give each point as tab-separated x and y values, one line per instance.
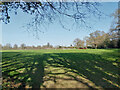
22	70
96	69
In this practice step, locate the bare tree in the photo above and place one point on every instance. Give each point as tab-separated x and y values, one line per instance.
47	12
115	29
15	46
7	46
38	47
96	39
23	46
48	44
0	46
86	40
78	43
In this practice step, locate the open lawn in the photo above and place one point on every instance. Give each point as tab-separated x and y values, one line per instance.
88	68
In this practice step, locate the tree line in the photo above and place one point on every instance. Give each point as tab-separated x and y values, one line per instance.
97	39
23	46
8	46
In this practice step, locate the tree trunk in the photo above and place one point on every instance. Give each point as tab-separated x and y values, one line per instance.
95	46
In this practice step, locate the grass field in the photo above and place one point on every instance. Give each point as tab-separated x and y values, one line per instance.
89	68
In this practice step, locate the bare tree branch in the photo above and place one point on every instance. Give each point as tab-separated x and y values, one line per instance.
48	12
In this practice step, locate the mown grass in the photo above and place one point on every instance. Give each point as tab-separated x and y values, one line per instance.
90	68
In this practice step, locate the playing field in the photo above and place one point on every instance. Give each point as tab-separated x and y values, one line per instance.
82	68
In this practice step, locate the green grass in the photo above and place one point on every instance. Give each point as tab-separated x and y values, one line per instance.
90	68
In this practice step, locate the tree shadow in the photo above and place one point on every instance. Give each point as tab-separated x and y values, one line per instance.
96	69
29	70
22	71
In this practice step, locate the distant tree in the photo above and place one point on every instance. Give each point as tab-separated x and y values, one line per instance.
71	46
115	29
15	46
106	42
59	47
115	26
23	46
78	43
48	44
28	47
7	46
113	40
44	46
33	47
96	39
86	40
0	46
38	47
